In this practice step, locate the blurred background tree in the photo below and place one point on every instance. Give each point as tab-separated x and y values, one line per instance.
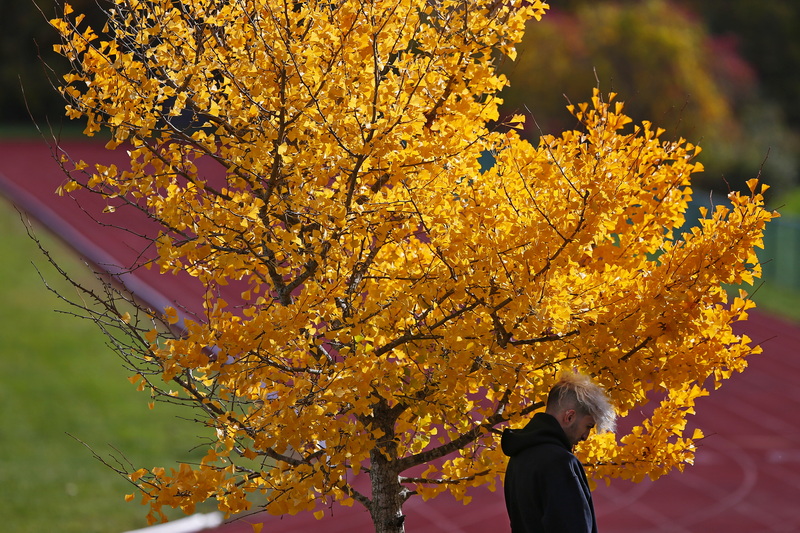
684	68
767	34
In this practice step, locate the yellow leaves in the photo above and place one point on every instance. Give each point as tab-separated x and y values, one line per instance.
517	122
67	188
151	335
137	475
171	315
753	183
212	456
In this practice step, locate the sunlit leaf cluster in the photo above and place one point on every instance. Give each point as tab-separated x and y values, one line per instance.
377	300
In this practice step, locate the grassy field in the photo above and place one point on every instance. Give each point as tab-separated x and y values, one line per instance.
777	301
59	379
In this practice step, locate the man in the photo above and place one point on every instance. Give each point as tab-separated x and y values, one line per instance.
545	485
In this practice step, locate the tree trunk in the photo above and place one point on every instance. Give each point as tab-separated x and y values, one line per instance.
387	495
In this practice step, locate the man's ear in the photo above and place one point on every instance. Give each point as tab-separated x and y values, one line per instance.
568	416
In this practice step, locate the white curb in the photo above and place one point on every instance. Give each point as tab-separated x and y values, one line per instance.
190	524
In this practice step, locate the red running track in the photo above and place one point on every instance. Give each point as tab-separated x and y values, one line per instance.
746	478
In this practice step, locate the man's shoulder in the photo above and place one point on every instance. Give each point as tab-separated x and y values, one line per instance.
546	450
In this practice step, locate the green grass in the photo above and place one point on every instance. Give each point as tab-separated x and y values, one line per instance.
788	203
777	301
58	378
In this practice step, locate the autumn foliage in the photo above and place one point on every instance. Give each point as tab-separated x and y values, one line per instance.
398	303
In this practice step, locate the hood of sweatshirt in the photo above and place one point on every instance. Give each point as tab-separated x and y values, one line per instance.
542	429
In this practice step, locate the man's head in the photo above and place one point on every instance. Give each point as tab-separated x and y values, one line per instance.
579	405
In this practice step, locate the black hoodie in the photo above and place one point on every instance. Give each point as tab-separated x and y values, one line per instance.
545	485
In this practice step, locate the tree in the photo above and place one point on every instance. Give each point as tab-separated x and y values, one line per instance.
396	304
661	55
766	33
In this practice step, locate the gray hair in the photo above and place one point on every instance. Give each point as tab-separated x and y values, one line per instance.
579	392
